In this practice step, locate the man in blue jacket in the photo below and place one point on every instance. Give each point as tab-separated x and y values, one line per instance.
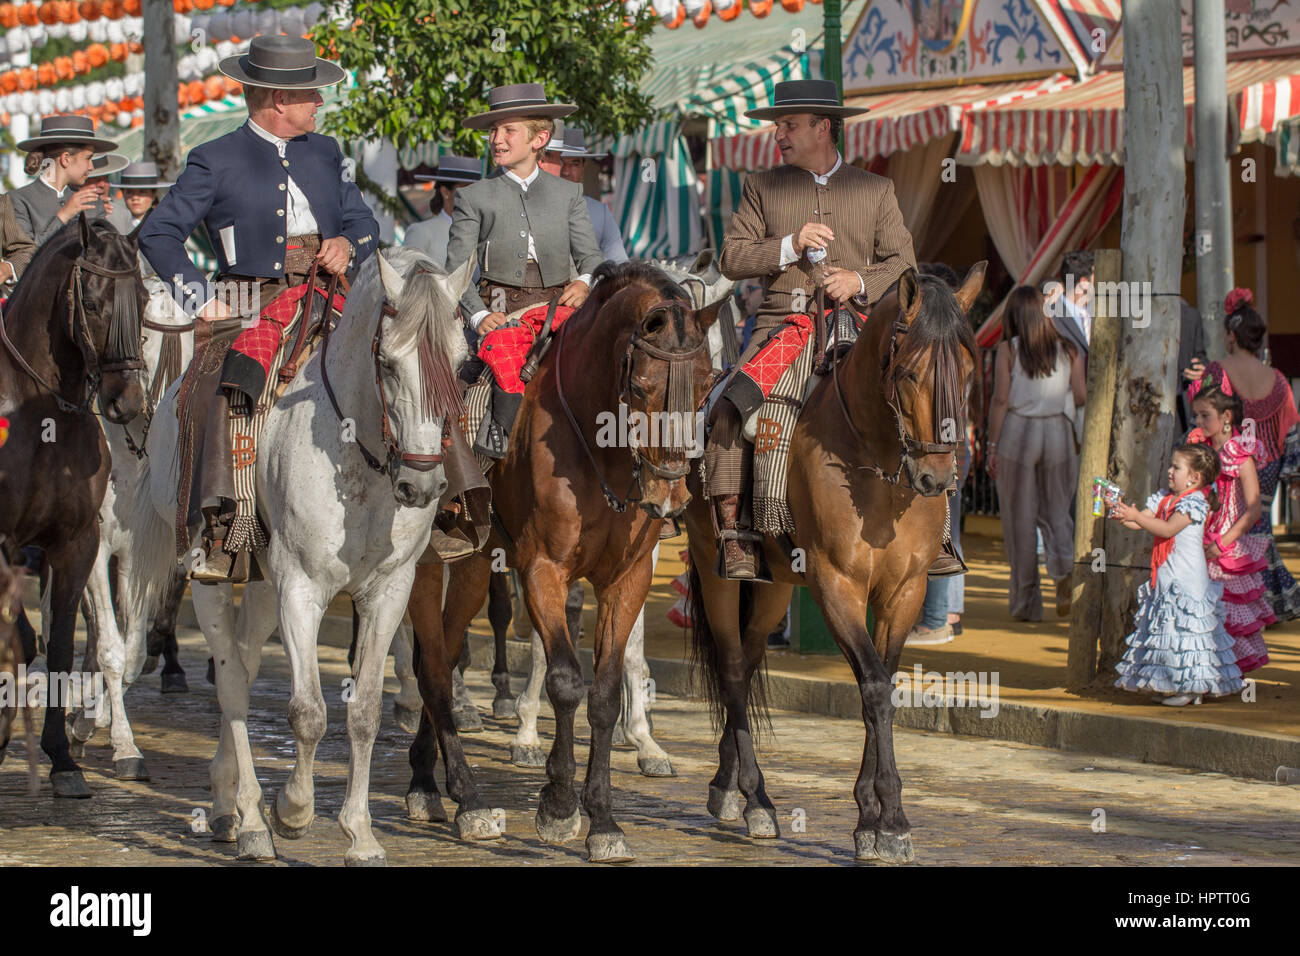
275	197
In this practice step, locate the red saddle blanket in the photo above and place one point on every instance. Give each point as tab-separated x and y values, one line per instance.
505	350
248	362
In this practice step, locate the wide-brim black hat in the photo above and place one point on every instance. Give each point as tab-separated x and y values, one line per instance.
282	63
805	96
454	169
67	128
141	176
518	101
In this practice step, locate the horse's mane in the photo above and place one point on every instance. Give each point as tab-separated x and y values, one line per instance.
612	277
58	246
940	324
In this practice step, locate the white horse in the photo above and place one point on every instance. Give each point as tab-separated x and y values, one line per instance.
336	525
121	656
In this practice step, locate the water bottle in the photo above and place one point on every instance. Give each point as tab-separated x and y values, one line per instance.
815	254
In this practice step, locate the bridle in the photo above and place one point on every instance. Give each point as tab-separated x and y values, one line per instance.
162	377
945	398
394	456
680	400
122	347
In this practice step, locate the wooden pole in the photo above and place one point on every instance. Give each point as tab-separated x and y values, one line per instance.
162	129
1094	461
1142	433
1213	239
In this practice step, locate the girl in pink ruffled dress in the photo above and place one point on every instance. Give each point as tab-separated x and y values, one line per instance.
1235	555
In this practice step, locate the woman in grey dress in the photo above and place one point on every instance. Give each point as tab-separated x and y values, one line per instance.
1039	382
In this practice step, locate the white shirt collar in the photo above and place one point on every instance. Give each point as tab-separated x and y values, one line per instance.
267	135
821	180
45	177
443	213
525	182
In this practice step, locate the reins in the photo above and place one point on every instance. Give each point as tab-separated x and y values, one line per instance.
680	389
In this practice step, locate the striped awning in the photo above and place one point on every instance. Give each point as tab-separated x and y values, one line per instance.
1084	124
897	122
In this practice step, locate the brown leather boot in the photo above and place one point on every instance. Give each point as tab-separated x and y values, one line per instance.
739	557
217	564
947	562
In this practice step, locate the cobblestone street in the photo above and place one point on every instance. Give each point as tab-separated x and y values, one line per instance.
969	801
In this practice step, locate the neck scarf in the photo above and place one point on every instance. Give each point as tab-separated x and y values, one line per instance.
1165	546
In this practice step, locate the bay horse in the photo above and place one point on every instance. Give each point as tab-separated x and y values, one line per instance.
563	514
871	460
344	520
69	336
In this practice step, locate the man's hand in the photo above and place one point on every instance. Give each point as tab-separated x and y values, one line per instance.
334	255
1195	371
842	284
574	294
812	234
215	309
83	199
491	322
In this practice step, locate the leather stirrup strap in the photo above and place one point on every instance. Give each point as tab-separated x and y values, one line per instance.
290	368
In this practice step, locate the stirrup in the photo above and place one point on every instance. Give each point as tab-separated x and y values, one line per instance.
753	552
222	567
947	563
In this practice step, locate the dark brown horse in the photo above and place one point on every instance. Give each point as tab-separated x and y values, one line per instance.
70	335
871	458
572	504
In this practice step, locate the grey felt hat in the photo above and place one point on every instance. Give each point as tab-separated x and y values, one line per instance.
67	128
454	169
805	96
518	101
141	176
282	63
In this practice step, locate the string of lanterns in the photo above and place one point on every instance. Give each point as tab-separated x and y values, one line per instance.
673	13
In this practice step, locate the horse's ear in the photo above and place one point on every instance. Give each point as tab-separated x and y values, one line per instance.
83	228
707	316
460	278
971	286
702	262
391	278
909	295
134	234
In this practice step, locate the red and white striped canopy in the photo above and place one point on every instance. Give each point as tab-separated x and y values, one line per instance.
1084	124
897	122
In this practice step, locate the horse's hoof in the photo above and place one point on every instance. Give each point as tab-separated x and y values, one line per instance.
377	860
130	768
467	720
69	783
284	829
608	848
504	708
408	718
887	847
559	831
762	824
619	738
724	804
425	807
476	825
527	756
254	846
656	767
175	684
150	664
224	828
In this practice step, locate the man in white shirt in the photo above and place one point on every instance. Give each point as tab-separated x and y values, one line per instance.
1070	303
431	235
566	156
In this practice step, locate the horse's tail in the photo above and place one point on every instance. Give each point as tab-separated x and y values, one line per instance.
706	662
153	555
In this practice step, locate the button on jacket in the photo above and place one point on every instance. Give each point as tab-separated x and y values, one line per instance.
237	186
496	217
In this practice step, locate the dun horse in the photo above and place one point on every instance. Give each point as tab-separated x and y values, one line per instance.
871	458
70	334
563	498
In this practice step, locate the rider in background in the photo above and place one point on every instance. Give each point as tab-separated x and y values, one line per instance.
63	156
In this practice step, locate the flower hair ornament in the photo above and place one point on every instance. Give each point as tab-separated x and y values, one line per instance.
1237	299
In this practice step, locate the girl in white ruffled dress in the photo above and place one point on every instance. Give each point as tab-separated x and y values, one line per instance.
1179	647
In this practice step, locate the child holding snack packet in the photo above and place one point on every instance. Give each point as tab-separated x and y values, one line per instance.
1179	647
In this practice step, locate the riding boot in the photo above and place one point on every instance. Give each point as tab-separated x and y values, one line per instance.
217	563
493	435
739	558
948	561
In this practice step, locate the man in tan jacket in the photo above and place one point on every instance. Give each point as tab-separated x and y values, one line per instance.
16	247
814	219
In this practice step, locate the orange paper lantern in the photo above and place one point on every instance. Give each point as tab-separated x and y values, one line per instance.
213	88
731	12
233	87
132	8
182	97
113	9
226	3
792	6
46	75
29	14
26	79
9	81
760	8
80	62
107	113
182	6
89	10
46	14
8	16
701	18
137	121
66	11
135	46
117	52
63	66
196	91
204	4
97	54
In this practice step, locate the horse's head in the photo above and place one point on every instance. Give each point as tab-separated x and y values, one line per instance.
930	355
11	651
108	299
416	346
663	375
